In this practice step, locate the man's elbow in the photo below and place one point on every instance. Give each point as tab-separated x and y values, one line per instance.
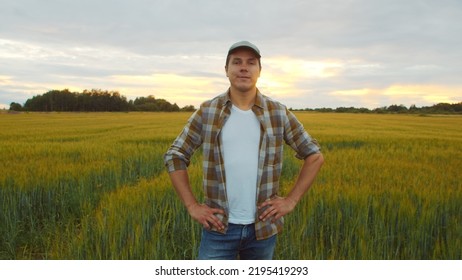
315	159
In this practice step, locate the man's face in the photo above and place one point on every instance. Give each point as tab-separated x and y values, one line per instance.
243	70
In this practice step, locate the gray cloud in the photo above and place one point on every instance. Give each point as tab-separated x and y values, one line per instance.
378	43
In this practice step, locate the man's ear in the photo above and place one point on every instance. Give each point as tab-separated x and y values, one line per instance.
226	70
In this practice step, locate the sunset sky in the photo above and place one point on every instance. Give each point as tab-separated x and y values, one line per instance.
315	53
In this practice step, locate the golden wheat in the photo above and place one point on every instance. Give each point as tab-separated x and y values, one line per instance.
93	186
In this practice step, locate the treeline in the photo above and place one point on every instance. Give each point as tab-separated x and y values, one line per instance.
440	108
94	100
97	100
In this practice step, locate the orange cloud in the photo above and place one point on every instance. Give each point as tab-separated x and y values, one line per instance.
403	94
429	93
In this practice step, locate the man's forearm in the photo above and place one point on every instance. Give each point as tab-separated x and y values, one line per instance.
199	212
308	172
280	206
180	181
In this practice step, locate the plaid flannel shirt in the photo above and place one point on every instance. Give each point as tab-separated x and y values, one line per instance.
203	128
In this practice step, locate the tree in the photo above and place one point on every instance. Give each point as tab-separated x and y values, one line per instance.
15	106
457	107
152	104
189	108
397	109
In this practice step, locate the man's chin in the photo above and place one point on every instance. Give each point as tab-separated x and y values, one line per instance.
244	88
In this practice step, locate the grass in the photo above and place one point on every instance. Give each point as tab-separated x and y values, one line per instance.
93	186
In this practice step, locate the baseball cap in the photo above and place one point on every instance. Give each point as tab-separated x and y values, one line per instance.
244	44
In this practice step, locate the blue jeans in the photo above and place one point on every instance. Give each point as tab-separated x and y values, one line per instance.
239	241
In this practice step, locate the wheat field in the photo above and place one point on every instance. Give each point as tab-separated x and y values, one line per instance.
93	186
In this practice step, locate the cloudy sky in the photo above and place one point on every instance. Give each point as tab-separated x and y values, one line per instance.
315	53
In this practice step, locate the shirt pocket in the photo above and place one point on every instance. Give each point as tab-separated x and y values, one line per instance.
274	149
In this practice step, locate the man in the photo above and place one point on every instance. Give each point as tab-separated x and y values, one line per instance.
241	132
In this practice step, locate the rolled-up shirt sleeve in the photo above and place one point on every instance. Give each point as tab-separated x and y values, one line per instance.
296	137
179	154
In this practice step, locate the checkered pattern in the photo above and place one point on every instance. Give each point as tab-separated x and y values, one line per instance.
278	125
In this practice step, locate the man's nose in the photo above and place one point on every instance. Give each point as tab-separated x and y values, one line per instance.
244	67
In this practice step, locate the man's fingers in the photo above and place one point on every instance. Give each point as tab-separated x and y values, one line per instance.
206	225
213	220
217	211
275	210
266	203
206	216
267	213
270	202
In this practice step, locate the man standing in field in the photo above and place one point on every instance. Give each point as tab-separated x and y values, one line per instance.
241	132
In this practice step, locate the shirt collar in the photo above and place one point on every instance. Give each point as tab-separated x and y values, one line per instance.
259	100
226	99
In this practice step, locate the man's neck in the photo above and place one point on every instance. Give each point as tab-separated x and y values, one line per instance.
243	100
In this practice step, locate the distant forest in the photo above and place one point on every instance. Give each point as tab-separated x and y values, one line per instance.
97	100
94	100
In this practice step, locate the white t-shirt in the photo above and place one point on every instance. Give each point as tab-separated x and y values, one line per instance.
241	139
